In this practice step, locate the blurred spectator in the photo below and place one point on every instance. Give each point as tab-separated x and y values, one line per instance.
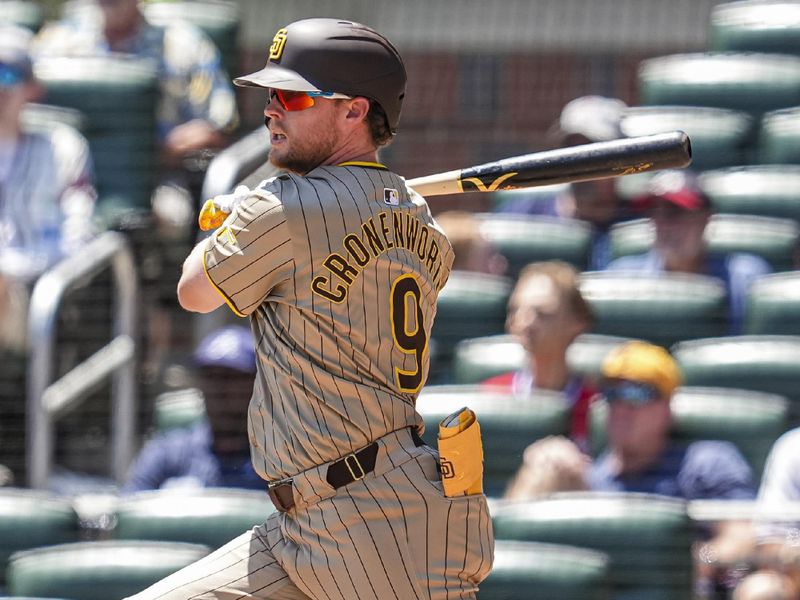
681	211
45	176
472	250
582	121
214	452
197	108
777	531
46	192
638	382
766	585
546	312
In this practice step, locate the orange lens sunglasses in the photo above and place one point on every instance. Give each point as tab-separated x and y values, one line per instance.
293	101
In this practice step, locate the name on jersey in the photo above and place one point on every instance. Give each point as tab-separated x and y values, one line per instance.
377	235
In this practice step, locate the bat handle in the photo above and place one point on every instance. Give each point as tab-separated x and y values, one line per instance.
440	183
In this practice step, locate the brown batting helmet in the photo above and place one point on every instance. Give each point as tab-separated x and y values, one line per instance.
338	56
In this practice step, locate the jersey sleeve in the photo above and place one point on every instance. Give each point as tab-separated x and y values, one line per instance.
251	254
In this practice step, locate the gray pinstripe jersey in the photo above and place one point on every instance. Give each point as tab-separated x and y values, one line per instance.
339	271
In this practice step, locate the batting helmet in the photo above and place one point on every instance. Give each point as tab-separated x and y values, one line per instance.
334	55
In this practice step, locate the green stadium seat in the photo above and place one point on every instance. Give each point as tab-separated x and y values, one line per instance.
773	239
117	97
542	194
524	239
751	420
767	363
773	305
97	570
218	19
23	13
779	137
648	538
720	137
760	26
509	423
209	516
31	518
181	408
469	305
760	190
661	309
537	571
752	82
478	359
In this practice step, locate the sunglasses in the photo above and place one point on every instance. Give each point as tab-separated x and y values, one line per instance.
10	76
292	101
631	392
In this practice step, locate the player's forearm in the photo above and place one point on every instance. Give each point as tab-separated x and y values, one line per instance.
196	293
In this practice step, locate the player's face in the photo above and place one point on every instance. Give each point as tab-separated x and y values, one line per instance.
539	317
301	140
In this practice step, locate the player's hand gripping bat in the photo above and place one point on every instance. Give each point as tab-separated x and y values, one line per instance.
599	160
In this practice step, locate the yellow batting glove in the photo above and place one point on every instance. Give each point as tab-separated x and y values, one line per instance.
216	210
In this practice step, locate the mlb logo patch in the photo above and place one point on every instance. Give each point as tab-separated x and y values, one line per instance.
391	197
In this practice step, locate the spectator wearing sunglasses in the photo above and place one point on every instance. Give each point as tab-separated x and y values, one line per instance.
638	382
680	212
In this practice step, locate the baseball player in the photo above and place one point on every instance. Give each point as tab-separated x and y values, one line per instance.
338	265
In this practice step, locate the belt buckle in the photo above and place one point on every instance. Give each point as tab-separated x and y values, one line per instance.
271	485
357	464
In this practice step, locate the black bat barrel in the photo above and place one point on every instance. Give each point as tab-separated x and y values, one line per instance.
580	163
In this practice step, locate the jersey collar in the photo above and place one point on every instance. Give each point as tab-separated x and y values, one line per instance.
359	163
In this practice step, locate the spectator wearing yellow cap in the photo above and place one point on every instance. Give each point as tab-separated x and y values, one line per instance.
638	382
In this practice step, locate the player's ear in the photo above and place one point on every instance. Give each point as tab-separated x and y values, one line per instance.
358	108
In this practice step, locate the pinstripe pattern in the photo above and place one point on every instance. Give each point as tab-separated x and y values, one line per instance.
392	535
326	375
339	272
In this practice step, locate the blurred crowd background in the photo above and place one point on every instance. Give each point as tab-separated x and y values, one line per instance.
631	346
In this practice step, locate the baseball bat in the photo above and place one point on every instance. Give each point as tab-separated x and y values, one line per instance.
598	160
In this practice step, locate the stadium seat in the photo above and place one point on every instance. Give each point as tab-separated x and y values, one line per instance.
181	408
208	516
478	359
586	354
24	13
524	239
773	305
752	82
756	26
720	137
779	137
768	363
98	570
647	538
662	309
537	571
218	19
773	239
751	420
760	190
31	518
470	305
509	423
118	98
536	195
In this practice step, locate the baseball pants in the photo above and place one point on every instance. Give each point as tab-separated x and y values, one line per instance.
391	535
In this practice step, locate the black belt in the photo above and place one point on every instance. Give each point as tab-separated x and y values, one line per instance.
340	473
